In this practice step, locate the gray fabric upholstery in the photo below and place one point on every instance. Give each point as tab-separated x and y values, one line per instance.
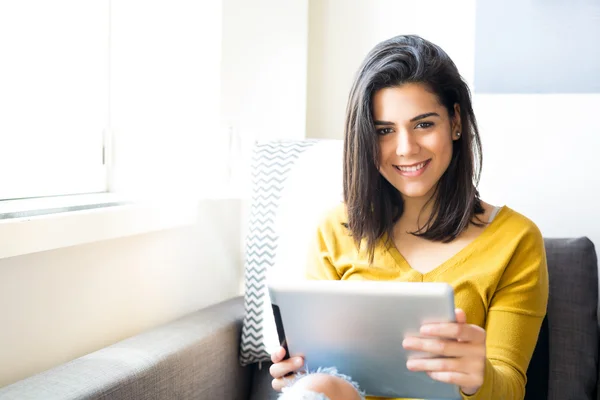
195	357
572	319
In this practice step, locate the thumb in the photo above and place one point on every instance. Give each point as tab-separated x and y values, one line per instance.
278	355
461	317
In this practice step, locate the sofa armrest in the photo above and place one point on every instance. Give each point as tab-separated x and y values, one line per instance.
195	357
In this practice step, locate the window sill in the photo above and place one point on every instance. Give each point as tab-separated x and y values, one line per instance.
34	225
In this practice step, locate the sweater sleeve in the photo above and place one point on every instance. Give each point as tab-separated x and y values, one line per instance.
514	318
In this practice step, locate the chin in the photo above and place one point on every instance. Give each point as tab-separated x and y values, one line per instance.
414	193
413	190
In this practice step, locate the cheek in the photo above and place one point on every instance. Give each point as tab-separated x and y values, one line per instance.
441	146
382	153
387	150
447	152
386	157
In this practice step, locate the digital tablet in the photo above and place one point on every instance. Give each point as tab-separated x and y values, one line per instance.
358	327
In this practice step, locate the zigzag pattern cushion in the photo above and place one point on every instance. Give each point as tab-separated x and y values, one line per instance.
293	183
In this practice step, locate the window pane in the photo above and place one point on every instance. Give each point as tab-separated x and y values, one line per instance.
53	97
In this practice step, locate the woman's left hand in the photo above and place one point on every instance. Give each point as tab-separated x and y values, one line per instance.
463	344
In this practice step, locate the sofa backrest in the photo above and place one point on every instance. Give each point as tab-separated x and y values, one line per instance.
566	356
194	357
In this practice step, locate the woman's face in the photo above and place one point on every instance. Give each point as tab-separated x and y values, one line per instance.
415	138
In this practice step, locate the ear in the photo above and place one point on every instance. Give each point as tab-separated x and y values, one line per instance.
456	123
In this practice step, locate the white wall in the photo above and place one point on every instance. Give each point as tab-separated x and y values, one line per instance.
539	151
341	33
540	158
263	80
264	68
58	305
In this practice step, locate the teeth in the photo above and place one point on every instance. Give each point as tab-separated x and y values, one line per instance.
411	169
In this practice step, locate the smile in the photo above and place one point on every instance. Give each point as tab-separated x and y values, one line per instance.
412	170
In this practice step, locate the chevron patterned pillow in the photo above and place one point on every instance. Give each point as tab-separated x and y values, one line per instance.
293	183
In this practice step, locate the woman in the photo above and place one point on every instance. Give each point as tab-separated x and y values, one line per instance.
412	212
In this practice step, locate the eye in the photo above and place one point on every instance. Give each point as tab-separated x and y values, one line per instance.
384	131
424	125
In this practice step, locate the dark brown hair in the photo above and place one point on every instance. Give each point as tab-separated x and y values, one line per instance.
373	204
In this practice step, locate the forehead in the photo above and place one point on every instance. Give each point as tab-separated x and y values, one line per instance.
401	103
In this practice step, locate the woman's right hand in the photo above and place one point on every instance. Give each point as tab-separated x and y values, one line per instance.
281	368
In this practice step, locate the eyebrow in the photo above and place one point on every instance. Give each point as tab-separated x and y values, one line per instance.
417	118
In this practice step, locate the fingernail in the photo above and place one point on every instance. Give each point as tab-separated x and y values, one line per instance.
298	362
408	342
410	364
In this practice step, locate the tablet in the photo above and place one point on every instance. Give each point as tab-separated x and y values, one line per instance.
358	327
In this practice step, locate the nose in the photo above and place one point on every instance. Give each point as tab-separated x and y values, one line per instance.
406	144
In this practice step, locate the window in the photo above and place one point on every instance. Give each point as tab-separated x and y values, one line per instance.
54	99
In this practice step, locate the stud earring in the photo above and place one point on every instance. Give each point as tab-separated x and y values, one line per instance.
457	134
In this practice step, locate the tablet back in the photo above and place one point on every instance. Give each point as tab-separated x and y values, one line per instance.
359	326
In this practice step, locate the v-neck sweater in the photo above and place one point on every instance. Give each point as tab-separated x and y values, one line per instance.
500	280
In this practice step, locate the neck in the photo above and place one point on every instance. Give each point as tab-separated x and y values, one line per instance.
416	212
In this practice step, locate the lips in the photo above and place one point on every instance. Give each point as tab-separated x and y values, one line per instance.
413	167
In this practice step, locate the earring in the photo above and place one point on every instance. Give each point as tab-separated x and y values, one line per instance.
457	134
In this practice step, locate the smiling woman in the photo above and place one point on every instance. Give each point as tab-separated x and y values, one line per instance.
412	213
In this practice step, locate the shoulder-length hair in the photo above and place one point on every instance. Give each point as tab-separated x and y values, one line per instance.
373	204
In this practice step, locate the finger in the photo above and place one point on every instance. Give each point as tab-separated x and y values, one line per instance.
280	383
460	315
463	365
462	332
443	347
284	367
278	355
457	378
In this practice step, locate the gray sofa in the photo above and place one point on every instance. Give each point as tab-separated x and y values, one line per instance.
196	357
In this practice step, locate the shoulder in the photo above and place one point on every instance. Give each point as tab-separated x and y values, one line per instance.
335	219
333	228
515	225
520	240
515	242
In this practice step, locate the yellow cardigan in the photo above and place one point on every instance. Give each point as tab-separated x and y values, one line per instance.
500	280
